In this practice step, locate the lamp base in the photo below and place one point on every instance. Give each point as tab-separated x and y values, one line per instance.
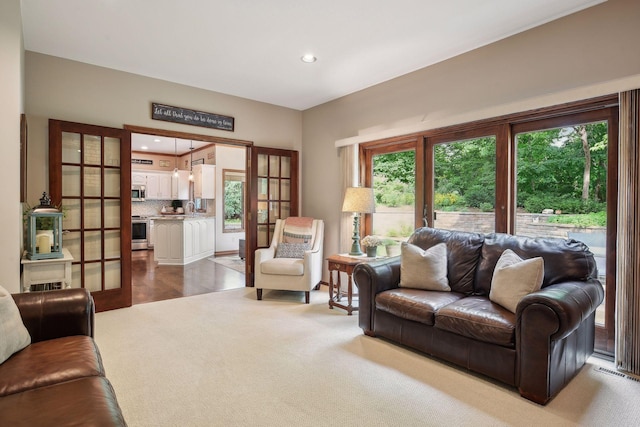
355	247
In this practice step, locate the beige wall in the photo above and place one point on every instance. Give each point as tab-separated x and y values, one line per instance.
73	91
11	106
227	158
593	52
586	54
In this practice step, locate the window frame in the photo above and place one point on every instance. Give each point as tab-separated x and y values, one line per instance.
237	172
505	128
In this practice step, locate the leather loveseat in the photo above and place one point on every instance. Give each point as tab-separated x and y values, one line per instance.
58	379
538	348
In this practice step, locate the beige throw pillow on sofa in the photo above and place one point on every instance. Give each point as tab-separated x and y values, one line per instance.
13	335
422	269
514	278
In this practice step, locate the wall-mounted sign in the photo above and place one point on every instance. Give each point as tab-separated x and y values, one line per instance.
141	162
191	117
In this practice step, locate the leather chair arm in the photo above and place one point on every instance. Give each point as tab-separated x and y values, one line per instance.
371	279
54	314
569	304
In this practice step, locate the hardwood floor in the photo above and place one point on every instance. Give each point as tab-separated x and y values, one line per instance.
153	282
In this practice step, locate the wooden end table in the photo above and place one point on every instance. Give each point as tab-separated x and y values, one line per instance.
345	264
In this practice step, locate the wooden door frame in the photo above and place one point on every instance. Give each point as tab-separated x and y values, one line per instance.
223	141
251	232
107	299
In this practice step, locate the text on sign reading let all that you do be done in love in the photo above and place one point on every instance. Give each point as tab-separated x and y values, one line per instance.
191	117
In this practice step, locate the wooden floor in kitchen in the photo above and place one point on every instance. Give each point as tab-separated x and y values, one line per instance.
153	282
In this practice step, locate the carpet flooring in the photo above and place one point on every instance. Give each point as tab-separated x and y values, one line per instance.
226	359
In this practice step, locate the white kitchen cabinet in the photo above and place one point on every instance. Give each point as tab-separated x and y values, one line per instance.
182	241
180	186
204	181
151	239
159	186
138	178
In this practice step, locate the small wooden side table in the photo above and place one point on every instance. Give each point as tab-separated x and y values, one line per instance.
47	274
345	264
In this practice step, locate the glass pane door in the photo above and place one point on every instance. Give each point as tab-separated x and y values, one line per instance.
273	193
464	185
88	175
394	187
562	188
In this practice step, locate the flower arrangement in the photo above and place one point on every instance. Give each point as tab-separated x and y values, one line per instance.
371	241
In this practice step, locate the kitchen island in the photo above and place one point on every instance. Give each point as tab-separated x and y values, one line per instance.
182	239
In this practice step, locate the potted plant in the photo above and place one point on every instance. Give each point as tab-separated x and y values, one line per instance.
392	247
371	244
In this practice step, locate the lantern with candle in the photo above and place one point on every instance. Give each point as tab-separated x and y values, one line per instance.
44	230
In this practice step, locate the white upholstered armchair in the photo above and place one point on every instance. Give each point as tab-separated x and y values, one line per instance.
293	262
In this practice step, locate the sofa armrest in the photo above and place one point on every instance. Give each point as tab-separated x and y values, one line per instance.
371	279
54	314
555	330
569	304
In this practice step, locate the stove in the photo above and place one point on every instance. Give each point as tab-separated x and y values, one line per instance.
139	232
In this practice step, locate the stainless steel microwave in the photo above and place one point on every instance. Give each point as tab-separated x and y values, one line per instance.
138	193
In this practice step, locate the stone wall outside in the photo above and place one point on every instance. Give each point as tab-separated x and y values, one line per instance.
531	225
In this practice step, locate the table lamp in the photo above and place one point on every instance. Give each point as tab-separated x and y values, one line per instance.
358	200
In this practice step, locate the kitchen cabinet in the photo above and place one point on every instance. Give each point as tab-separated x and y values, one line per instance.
150	238
180	186
138	178
159	186
180	241
204	181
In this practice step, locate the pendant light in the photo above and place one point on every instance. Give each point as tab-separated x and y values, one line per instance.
191	162
175	162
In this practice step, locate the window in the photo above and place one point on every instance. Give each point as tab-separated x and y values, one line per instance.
390	169
566	187
233	200
549	172
394	183
464	189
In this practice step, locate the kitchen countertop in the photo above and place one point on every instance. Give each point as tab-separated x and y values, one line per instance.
187	217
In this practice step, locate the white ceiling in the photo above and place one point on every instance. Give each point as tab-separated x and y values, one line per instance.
252	48
163	144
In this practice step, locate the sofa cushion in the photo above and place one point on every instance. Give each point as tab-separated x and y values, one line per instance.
13	334
88	401
48	362
463	252
283	266
514	278
415	304
424	269
478	318
564	259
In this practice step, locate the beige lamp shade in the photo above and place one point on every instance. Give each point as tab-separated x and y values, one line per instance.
359	200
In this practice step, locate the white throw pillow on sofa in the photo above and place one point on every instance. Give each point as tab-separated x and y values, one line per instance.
422	269
514	278
13	335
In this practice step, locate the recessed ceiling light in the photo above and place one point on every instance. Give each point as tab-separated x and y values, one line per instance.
156	140
309	58
144	147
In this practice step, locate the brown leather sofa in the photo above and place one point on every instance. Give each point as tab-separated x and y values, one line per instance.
58	380
537	349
